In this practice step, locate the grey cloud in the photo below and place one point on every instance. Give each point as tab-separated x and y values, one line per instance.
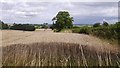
41	12
100	4
37	4
7	6
30	15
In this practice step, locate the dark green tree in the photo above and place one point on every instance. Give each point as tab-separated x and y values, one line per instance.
62	20
45	25
105	23
3	25
25	27
96	25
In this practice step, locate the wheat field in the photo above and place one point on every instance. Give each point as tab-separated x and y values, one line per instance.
46	48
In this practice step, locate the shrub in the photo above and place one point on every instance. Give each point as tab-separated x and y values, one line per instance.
29	28
3	26
84	30
37	27
44	26
52	27
75	30
75	27
105	24
25	27
96	25
111	32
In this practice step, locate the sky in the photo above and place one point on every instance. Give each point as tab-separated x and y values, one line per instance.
42	11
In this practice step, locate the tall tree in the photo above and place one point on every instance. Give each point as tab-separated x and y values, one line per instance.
62	20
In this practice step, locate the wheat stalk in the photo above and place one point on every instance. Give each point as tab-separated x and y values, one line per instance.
83	56
99	59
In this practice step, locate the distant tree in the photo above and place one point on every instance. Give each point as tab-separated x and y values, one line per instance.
62	20
45	25
96	25
105	23
28	27
14	23
118	23
25	27
3	25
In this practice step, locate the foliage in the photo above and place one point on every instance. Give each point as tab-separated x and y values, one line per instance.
75	27
3	25
25	27
62	20
76	30
52	27
105	23
105	32
45	26
38	27
41	26
84	30
111	32
96	25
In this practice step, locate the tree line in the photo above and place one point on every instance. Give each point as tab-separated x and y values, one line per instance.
24	27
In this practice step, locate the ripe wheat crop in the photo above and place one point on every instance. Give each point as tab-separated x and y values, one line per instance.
46	48
57	54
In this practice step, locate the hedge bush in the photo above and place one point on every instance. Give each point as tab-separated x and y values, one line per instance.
25	27
3	26
75	30
83	30
111	32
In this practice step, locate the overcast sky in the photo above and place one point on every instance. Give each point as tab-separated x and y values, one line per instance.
36	12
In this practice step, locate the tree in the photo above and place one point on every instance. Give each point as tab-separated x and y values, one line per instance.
105	23
96	25
25	27
118	23
62	20
3	25
45	25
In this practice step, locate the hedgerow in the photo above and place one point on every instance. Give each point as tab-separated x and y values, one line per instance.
111	32
25	27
